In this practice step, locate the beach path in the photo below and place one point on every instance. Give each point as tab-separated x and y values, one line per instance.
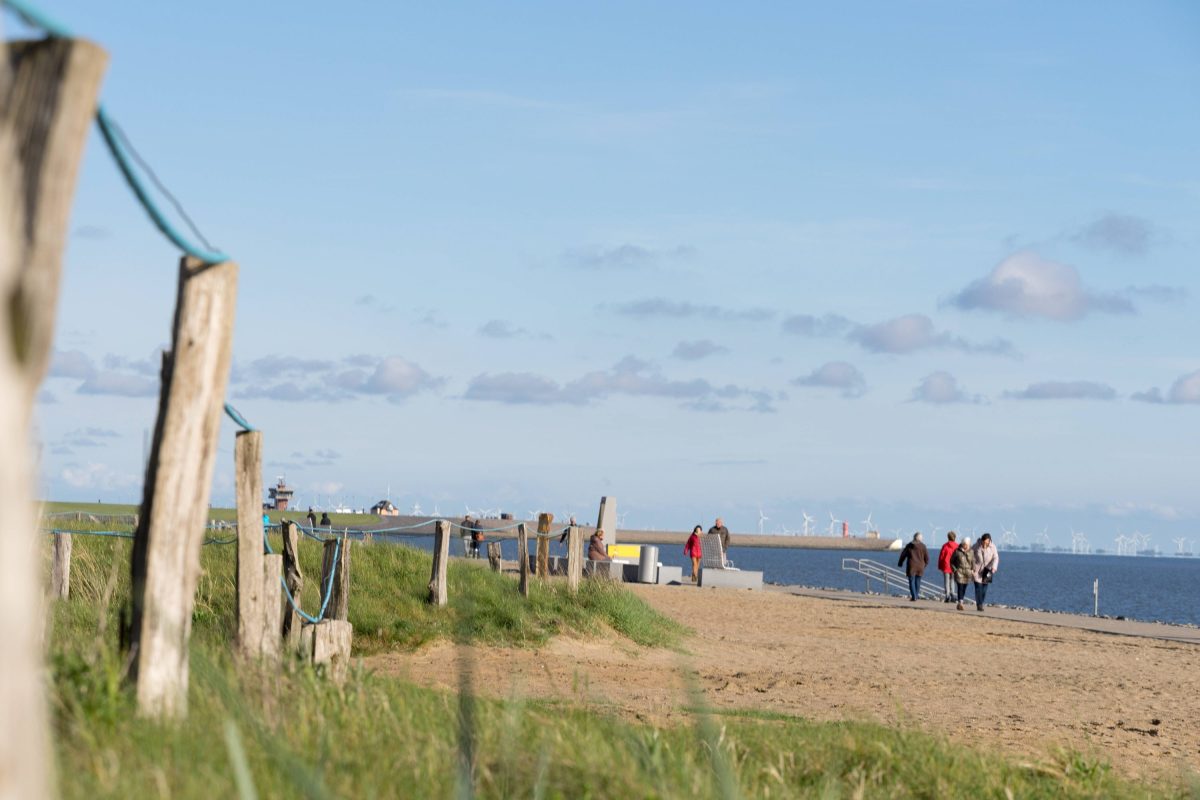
1029	688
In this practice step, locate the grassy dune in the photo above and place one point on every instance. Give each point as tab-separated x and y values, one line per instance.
290	733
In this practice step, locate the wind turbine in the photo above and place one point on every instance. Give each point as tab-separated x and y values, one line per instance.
833	521
1008	537
1180	546
1079	543
933	529
761	519
416	509
868	523
808	521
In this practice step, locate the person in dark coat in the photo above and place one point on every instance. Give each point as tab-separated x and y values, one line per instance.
720	529
916	557
597	549
325	521
312	519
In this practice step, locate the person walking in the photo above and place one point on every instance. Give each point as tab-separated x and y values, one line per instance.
987	561
720	529
916	557
963	563
693	550
476	537
467	530
944	566
312	520
326	523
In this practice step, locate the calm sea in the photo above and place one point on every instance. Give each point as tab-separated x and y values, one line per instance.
1165	589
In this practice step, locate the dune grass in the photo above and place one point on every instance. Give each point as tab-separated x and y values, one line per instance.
291	733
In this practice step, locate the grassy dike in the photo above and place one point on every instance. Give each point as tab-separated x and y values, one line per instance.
290	733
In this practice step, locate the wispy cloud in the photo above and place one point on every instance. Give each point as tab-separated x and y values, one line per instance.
295	380
913	332
839	375
662	307
694	351
631	377
1184	391
942	388
118	384
1064	390
624	256
1027	285
809	325
1123	234
500	329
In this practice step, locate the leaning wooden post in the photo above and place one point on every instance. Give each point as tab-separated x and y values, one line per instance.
339	600
574	557
60	574
523	558
166	546
251	603
543	544
48	91
290	625
441	555
494	556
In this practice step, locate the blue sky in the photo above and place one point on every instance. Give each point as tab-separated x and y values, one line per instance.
934	261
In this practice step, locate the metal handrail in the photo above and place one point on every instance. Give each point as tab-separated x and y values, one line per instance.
888	576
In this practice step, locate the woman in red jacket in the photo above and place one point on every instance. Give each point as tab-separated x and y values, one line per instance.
946	568
693	550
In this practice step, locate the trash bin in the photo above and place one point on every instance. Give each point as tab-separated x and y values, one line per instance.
648	565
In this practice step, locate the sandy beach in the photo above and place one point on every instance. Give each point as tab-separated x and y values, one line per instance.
1024	687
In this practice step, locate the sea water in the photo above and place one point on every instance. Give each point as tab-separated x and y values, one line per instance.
1162	589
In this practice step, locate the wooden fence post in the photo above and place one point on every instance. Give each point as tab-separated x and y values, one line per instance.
523	558
441	555
251	602
272	593
494	556
48	91
339	601
174	513
543	544
60	574
574	557
290	627
331	641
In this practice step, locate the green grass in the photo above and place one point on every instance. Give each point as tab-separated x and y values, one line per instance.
381	737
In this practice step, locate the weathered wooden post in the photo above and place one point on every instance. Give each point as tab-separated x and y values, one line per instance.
441	556
166	546
294	578
339	601
48	93
272	593
574	557
60	574
523	558
331	647
251	602
543	544
494	556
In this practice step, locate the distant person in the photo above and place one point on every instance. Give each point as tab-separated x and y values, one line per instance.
266	520
597	549
944	555
325	521
312	519
963	562
467	529
987	561
720	529
916	557
693	550
567	530
476	538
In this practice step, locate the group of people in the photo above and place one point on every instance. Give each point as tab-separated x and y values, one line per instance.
472	536
311	518
960	563
693	549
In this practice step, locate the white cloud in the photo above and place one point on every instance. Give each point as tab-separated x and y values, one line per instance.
1184	391
624	256
1027	285
1121	233
97	476
942	388
71	364
835	375
119	384
694	351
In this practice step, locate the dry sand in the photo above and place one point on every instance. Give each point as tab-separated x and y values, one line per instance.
1027	688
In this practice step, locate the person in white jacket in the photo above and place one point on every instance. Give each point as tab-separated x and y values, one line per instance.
987	561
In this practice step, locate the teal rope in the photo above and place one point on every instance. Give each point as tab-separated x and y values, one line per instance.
337	548
121	535
238	418
118	147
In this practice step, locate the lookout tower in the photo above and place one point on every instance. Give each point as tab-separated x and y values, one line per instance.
281	495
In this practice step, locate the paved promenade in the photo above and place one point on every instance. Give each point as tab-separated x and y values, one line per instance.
1119	627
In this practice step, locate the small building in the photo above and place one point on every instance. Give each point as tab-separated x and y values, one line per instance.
281	495
385	508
